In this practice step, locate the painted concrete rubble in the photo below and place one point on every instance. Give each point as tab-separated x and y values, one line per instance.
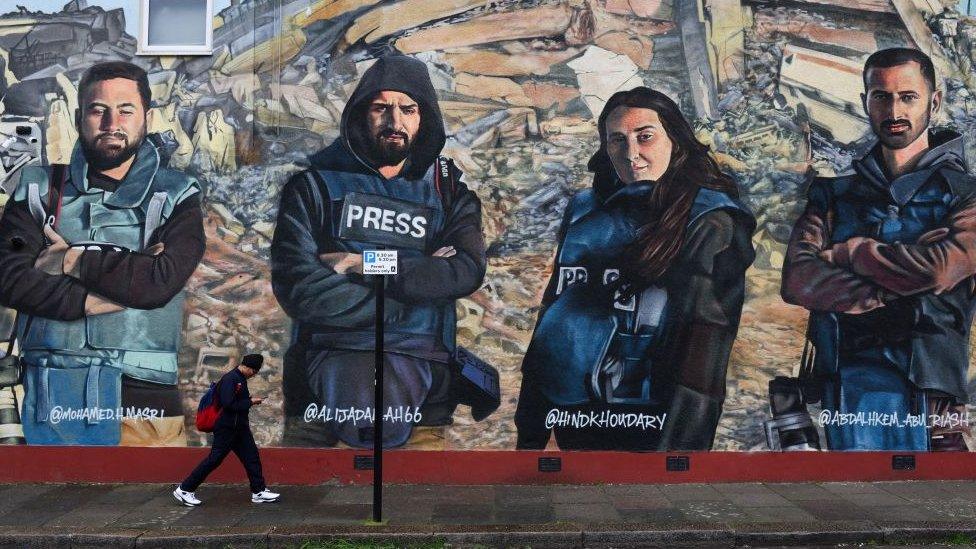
773	88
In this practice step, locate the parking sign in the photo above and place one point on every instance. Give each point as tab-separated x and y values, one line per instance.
379	262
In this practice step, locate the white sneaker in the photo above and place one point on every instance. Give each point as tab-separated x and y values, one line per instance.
186	498
264	496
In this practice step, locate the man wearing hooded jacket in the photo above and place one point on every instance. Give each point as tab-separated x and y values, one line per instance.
380	185
884	259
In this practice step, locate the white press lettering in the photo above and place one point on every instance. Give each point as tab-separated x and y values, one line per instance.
387	224
419	227
353	212
403	223
372	217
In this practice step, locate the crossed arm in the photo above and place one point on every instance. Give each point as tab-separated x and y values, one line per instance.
59	282
322	288
861	274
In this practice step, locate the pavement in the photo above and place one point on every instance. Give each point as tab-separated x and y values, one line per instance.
719	515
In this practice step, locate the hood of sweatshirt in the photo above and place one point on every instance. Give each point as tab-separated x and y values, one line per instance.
393	73
946	152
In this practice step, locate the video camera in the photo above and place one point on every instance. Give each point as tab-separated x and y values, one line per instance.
21	141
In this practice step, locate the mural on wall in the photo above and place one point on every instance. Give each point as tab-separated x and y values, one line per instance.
631	348
691	346
381	184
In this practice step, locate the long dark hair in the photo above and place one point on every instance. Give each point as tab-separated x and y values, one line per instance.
668	206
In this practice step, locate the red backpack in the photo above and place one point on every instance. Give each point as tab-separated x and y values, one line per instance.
208	412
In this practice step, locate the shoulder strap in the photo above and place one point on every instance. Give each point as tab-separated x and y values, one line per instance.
57	178
960	183
154	216
650	307
444	181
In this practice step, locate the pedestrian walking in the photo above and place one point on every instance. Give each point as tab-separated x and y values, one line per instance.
232	433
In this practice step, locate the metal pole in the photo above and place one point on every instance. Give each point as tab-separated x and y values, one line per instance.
378	407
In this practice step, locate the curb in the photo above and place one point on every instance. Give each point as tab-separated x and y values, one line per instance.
556	535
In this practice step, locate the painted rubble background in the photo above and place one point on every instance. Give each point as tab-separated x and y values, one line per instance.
773	87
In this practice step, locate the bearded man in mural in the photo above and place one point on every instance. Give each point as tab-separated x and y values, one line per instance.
94	257
381	184
637	324
884	260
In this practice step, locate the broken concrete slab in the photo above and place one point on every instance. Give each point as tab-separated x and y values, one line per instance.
648	9
303	102
227	219
494	63
497	27
481	131
640	49
163	119
491	87
694	42
726	26
213	143
836	110
161	85
914	21
60	133
242	87
601	73
277	50
545	95
567	125
326	10
605	21
459	115
818	31
68	91
405	15
873	6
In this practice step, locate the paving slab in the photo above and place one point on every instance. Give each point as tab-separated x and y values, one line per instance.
676	534
49	504
239	537
586	512
461	513
101	540
805	533
754	515
692	492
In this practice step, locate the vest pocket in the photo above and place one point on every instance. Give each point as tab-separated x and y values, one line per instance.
55	335
78	405
122	227
139	330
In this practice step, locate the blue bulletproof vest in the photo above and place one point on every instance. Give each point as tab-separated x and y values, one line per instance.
590	344
147	341
935	357
368	213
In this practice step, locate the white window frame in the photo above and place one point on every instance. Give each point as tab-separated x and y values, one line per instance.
173	49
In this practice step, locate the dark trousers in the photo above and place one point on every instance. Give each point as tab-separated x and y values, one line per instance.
226	439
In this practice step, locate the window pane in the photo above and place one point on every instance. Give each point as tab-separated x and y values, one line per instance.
177	22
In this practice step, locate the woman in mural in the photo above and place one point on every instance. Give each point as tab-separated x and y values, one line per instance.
637	322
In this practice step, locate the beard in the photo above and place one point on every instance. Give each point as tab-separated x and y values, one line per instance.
389	153
904	138
102	157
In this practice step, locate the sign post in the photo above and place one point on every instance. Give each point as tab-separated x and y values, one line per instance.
378	263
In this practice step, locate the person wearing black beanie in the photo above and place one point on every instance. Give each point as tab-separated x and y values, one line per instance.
232	432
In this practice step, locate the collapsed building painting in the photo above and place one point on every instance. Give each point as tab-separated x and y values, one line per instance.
772	87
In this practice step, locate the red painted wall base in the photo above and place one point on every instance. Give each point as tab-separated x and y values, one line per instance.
315	466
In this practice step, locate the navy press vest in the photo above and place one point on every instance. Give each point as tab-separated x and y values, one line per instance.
369	213
585	324
147	340
926	335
